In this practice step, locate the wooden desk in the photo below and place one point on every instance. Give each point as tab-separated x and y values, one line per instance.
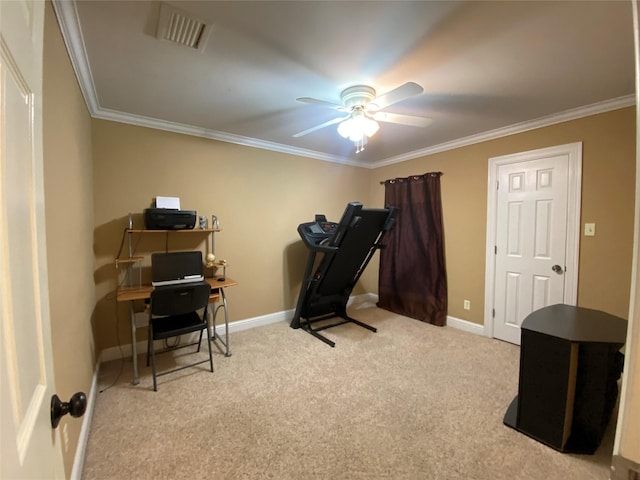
143	292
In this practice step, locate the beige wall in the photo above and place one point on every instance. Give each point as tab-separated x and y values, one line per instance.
260	206
259	196
608	182
68	187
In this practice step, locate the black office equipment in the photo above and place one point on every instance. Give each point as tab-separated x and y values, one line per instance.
169	219
346	248
569	367
173	311
174	268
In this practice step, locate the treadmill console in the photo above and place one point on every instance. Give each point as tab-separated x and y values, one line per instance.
323	228
317	231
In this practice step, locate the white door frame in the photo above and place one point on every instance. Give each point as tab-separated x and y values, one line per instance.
574	196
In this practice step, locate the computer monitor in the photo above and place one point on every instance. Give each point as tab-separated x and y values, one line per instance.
176	267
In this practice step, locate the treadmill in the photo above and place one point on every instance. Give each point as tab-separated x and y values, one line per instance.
345	249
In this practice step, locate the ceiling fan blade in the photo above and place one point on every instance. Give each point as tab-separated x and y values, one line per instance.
402	119
396	95
318	127
323	103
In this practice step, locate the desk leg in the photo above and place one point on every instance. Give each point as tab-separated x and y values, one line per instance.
215	335
134	340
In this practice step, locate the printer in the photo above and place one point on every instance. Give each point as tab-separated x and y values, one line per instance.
169	219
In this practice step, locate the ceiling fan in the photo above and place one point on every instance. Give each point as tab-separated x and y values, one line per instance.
364	108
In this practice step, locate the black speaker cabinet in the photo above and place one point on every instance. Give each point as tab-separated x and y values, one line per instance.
569	367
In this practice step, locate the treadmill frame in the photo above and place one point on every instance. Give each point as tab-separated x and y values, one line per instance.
326	289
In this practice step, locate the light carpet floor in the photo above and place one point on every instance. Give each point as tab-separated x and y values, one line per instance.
412	401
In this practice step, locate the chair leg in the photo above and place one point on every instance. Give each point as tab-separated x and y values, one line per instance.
209	345
148	341
199	341
153	358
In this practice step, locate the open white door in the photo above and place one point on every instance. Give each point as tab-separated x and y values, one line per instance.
30	447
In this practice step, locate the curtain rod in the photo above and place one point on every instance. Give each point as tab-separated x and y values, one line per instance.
416	176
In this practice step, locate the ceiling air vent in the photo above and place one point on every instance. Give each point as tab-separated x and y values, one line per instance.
179	27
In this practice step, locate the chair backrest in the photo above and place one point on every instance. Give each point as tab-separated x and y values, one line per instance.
179	299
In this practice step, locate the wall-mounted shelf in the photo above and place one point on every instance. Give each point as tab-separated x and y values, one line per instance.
132	261
128	260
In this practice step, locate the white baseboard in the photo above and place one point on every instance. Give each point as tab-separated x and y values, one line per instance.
465	325
357	301
262	320
83	439
124	351
365	300
371	299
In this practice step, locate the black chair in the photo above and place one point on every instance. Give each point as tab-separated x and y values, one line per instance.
173	311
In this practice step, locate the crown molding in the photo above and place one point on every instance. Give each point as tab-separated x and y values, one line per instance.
139	120
573	114
67	15
567	115
68	20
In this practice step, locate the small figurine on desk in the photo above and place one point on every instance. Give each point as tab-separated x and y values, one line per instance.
210	258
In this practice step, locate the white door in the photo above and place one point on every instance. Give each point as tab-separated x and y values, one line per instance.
30	447
531	231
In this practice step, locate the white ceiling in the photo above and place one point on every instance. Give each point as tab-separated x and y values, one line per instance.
487	68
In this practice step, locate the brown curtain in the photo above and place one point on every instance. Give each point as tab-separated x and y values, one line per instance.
413	278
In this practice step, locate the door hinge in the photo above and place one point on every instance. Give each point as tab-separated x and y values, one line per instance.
493	313
497	184
495	249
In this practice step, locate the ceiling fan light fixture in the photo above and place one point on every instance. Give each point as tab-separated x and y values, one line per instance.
358	127
364	109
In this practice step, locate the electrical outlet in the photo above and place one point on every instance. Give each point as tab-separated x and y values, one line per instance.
467	305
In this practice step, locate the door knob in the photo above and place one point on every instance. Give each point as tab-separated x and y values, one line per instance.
557	269
76	407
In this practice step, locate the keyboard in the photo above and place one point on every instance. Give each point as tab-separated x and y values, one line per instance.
179	281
